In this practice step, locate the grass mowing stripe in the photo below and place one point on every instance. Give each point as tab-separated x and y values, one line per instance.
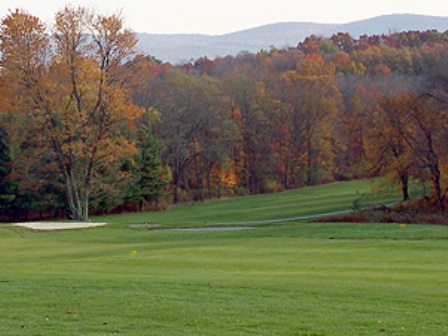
291	279
293	203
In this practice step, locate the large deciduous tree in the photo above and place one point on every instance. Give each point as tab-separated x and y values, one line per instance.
316	97
426	137
414	130
248	96
71	86
387	149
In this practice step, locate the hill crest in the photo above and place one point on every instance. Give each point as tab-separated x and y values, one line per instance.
182	48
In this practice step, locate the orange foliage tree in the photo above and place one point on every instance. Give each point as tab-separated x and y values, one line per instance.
71	87
316	97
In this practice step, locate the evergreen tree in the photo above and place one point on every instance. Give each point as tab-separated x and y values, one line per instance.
6	186
151	182
149	177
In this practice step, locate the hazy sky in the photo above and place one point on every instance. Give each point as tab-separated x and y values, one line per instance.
224	16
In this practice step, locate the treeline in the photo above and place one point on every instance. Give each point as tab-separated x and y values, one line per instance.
87	126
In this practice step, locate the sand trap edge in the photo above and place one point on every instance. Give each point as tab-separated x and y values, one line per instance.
49	226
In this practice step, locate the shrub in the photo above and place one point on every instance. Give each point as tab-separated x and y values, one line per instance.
272	186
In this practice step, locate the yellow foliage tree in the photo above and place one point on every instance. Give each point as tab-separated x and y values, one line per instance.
316	97
71	84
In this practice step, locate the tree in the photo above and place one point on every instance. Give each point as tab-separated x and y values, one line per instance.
436	83
6	185
317	98
151	176
178	96
74	92
425	135
216	138
351	136
343	41
249	109
387	149
287	128
413	128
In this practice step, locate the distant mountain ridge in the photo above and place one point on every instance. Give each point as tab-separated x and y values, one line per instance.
181	48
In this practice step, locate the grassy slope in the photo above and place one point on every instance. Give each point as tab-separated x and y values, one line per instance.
291	279
305	201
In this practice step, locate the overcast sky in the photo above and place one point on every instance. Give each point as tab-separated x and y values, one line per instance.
225	16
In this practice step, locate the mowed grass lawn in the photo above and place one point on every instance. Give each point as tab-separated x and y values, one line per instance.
295	278
294	203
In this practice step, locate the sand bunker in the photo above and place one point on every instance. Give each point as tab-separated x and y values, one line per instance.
48	226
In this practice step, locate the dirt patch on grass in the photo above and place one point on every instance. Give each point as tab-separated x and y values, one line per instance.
421	211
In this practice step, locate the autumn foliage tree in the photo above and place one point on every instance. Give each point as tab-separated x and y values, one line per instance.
387	149
316	98
70	85
425	137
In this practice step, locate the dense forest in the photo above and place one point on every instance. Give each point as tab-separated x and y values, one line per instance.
88	126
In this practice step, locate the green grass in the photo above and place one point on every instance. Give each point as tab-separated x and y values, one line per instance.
294	278
294	203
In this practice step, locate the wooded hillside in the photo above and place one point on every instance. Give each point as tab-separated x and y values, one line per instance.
86	125
179	48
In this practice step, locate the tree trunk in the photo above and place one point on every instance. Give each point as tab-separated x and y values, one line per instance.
175	193
209	181
176	178
287	181
85	210
437	189
404	179
72	195
433	163
219	185
309	173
